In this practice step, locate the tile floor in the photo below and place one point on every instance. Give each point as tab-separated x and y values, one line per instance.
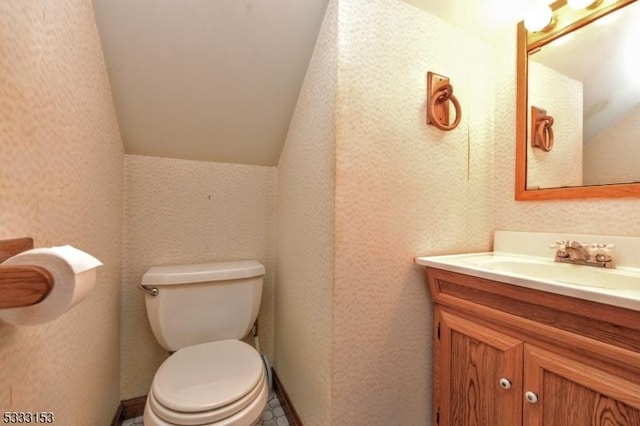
273	415
130	422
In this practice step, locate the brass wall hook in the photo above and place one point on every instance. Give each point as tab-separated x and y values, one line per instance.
541	129
439	93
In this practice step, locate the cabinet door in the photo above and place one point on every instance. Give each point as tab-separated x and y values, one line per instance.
478	374
563	392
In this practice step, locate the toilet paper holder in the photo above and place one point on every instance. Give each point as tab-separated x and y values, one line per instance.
22	285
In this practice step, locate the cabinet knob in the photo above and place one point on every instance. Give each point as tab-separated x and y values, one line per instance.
505	383
531	397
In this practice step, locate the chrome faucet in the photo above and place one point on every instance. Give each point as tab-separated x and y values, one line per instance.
594	254
577	251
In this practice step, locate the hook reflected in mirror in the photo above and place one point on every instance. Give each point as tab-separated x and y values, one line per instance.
541	129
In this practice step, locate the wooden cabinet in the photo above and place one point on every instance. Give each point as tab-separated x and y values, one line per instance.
572	393
506	356
477	368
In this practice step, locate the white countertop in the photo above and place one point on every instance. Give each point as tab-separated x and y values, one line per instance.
524	259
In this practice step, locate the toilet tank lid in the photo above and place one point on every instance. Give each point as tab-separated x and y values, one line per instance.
202	272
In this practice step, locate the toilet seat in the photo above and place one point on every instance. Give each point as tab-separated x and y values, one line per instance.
249	416
204	417
208	383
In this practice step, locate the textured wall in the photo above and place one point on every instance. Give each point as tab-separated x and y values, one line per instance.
182	211
592	216
345	275
561	97
61	167
402	189
304	272
612	156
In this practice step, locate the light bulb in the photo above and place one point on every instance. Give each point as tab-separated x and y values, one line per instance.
538	18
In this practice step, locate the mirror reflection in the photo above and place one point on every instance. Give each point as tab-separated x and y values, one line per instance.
588	81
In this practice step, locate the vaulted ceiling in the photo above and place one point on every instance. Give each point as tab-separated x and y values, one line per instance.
217	80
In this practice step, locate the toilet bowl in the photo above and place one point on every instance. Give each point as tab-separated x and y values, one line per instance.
201	312
219	383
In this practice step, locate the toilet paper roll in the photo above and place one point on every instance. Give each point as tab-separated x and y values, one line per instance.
74	276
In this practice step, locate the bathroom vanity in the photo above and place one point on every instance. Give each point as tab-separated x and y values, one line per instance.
508	353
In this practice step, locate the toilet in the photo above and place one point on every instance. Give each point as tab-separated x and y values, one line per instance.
200	312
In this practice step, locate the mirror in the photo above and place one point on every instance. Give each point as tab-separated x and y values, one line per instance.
584	74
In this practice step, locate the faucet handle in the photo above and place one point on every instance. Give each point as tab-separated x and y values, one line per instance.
603	247
601	251
560	247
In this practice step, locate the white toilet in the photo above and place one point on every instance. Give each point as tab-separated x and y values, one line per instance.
200	312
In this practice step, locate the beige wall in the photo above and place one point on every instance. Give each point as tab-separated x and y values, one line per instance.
593	216
61	168
612	155
561	96
182	211
305	210
402	188
351	312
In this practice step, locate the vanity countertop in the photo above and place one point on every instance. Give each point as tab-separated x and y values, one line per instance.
524	259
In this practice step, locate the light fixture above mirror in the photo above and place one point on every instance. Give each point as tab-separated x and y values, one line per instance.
568	22
583	4
539	18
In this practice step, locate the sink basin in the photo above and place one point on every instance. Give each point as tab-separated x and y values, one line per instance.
544	269
513	262
618	287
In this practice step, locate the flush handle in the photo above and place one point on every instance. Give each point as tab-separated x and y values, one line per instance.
149	290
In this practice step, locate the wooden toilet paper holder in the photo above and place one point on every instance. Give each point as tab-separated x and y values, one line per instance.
22	285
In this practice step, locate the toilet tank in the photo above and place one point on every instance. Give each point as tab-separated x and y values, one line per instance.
204	302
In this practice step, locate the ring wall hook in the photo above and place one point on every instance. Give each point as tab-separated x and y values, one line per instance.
439	94
541	129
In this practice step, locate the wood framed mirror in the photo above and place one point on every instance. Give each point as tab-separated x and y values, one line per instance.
569	71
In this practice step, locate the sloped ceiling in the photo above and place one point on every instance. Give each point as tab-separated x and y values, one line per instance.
217	80
213	80
603	57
